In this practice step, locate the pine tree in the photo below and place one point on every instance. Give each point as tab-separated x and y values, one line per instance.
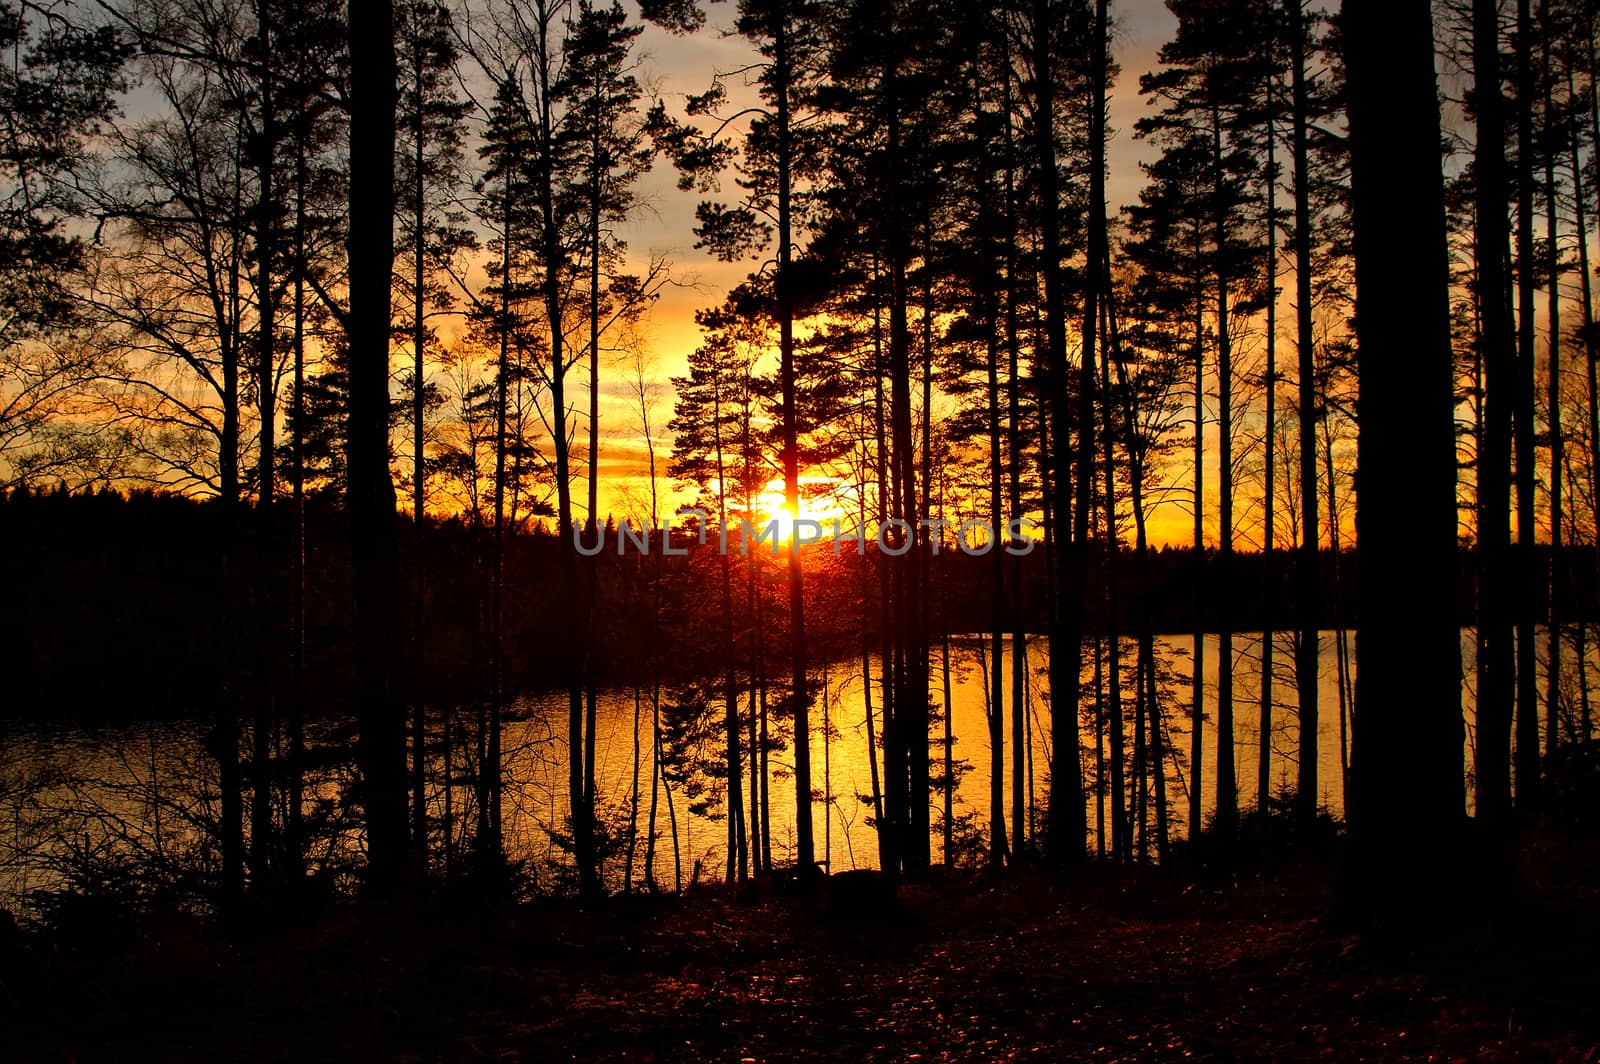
1209	87
371	491
706	424
773	162
1407	746
1492	238
430	165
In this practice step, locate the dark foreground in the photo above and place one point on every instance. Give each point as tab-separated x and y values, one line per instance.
960	967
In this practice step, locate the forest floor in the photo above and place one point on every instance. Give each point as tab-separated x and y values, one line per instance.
959	967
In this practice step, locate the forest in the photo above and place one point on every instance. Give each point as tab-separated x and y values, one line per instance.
569	515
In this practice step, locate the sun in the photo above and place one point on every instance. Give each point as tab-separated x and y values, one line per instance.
815	506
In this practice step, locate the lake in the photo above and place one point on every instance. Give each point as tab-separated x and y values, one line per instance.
147	791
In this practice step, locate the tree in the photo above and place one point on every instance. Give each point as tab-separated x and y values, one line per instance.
499	311
1492	194
1096	309
706	423
612	149
1066	830
1269	517
431	132
189	191
615	151
1208	84
786	33
57	92
1308	580
1156	313
974	259
371	502
1527	672
524	62
171	302
1169	228
562	132
1553	132
1408	729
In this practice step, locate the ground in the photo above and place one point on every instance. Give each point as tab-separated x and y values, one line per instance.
957	967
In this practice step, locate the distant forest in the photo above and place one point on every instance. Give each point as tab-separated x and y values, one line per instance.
319	328
116	587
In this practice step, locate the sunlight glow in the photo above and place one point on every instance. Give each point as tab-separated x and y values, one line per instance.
815	505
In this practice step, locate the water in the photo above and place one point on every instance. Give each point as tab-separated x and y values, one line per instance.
843	835
148	791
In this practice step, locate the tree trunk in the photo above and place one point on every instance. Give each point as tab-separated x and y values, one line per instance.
1552	265
1527	745
266	647
1066	831
489	842
1197	705
1592	393
805	854
894	796
1145	668
739	853
1015	435
1122	839
1269	498
580	796
1226	819
294	829
1495	656
419	798
997	717
381	750
1408	693
1308	584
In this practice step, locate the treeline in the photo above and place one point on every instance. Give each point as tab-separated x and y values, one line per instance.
109	590
357	261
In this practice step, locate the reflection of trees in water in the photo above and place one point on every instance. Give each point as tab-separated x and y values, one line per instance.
133	812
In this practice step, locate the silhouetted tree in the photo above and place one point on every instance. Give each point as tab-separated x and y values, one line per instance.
1407	729
57	91
1066	829
1492	235
774	160
373	75
430	127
